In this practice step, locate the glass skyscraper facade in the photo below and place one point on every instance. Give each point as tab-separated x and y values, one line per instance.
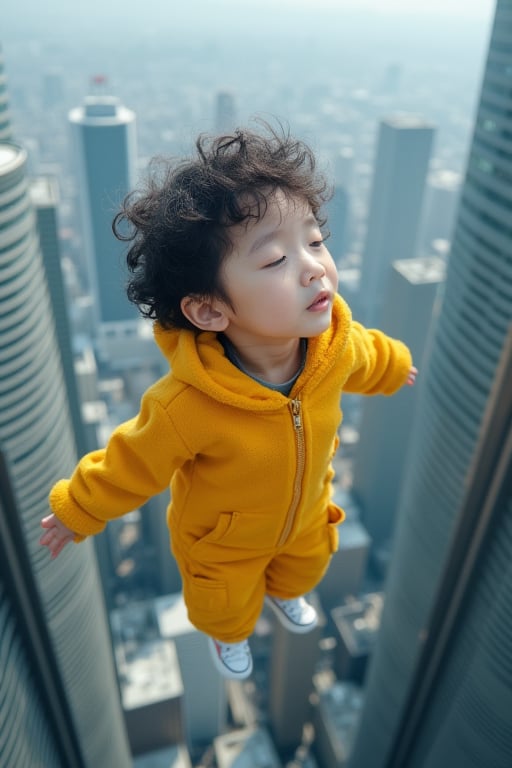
469	335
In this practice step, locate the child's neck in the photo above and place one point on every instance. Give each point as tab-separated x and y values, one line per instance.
275	363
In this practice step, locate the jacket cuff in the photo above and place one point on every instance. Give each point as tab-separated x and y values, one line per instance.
71	514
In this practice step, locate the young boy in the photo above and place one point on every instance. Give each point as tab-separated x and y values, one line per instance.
228	257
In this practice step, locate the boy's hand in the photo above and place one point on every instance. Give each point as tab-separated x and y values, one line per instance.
57	535
413	372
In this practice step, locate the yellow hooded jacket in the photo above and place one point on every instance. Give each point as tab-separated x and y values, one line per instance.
249	468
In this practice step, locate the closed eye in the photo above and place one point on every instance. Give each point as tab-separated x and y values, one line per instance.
275	263
316	243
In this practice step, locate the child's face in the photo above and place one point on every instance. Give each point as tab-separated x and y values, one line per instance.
279	276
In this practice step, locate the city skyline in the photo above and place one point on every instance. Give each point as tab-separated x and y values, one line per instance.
172	89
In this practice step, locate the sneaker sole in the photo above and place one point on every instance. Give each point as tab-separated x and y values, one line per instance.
226	671
298	629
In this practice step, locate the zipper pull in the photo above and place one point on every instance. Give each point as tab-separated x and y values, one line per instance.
296	414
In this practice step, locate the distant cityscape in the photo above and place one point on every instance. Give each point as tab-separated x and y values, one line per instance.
104	668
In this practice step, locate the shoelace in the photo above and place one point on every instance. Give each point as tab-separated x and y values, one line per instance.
229	651
291	607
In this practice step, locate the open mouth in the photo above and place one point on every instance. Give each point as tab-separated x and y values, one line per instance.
321	302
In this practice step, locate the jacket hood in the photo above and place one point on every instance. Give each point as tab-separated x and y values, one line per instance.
198	360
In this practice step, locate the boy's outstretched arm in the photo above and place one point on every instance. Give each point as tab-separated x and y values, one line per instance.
57	535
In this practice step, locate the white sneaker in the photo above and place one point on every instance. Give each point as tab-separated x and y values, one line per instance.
296	615
233	660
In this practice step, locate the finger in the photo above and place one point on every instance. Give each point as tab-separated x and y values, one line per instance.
59	547
48	522
50	535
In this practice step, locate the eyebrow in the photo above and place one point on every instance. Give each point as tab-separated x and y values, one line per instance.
266	238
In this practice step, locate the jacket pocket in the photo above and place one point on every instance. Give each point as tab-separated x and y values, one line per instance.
204	595
237	535
335	516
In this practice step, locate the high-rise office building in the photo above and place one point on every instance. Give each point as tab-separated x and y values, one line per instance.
291	683
45	197
338	207
388	422
205	697
439	209
401	165
105	152
37	446
467	345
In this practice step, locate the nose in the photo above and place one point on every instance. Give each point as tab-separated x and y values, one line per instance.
313	269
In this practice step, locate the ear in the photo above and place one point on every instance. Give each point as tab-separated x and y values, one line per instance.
205	314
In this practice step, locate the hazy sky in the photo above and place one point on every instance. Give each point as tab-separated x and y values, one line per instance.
62	15
474	8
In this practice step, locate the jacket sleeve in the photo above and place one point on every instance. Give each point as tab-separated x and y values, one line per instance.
137	463
380	364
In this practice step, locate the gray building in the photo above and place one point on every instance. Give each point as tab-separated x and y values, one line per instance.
335	718
293	661
246	748
387	424
205	696
105	154
150	682
37	446
444	461
45	197
345	575
400	172
173	757
439	209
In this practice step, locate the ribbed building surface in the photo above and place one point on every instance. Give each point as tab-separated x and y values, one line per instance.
37	442
475	315
21	707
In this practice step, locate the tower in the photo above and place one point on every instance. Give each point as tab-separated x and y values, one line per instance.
387	423
104	148
338	207
44	193
440	208
466	347
37	448
401	165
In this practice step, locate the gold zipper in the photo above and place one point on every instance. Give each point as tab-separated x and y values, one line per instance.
295	407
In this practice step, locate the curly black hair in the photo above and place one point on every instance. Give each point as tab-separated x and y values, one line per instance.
179	224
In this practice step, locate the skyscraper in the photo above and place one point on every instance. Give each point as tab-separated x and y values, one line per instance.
440	208
105	152
45	196
401	165
378	473
467	344
37	447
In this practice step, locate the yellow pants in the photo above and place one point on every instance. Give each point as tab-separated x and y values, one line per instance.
225	582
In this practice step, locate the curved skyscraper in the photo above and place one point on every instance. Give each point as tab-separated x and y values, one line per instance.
475	316
37	448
